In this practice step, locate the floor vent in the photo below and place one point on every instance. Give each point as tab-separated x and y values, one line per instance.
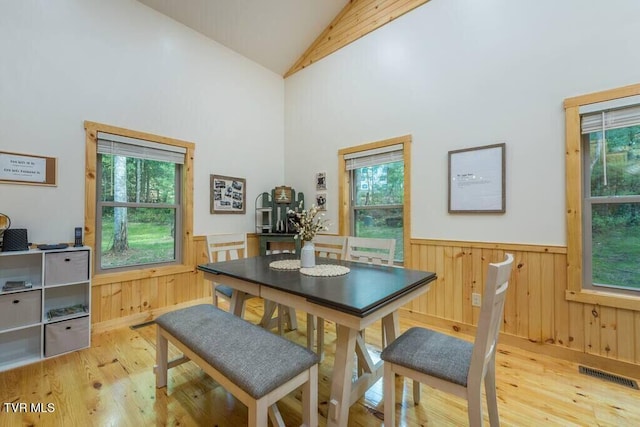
142	325
608	377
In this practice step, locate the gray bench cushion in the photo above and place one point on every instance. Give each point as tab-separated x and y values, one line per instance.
432	353
253	358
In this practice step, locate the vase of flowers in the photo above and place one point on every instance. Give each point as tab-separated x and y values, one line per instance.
307	224
308	255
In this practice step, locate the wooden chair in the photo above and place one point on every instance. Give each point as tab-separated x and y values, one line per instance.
372	251
328	246
226	247
331	247
451	364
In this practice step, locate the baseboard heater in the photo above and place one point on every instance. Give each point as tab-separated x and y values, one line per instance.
608	377
142	325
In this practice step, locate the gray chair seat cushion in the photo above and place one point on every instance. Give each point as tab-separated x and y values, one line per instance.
432	353
253	358
224	290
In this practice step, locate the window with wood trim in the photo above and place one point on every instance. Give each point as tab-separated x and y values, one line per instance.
603	195
374	192
139	201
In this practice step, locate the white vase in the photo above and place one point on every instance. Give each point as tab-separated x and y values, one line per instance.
308	255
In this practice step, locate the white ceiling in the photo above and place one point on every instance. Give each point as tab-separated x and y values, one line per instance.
273	33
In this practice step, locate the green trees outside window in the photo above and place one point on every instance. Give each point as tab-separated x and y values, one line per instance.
138	210
378	203
612	207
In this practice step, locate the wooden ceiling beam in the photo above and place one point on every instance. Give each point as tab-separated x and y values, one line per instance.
356	19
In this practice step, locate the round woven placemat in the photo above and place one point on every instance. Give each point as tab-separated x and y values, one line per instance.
286	264
325	270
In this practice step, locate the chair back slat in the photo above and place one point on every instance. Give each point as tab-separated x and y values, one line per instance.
328	246
226	247
491	316
370	250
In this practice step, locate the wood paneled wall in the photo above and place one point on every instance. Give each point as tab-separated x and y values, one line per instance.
136	301
537	315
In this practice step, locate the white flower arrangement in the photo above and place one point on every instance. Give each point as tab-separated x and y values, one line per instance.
308	222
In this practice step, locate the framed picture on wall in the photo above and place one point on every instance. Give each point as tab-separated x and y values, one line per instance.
321	201
477	179
228	195
321	181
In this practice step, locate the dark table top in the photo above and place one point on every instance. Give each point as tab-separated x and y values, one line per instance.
363	290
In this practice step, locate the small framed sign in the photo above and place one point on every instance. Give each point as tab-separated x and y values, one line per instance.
477	180
228	195
27	169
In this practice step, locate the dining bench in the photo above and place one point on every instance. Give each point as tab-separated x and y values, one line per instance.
256	366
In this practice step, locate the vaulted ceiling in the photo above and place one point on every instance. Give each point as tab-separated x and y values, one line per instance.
284	35
273	33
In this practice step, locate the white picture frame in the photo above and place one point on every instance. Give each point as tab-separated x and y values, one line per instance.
321	201
321	181
477	179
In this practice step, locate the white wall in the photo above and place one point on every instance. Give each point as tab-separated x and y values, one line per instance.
120	63
464	73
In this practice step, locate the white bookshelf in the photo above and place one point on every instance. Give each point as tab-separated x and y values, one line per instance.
51	316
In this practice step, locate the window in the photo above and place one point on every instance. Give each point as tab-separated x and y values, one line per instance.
376	192
139	201
603	197
611	199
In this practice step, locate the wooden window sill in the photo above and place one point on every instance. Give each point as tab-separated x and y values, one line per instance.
123	276
607	299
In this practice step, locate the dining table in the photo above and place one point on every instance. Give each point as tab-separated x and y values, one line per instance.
354	300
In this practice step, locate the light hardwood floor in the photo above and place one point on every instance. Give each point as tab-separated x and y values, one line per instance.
112	384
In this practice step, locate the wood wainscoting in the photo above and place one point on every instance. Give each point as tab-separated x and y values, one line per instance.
141	299
131	302
537	315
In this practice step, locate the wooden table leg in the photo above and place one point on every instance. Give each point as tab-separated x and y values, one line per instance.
237	302
341	379
267	316
391	327
281	316
285	313
290	315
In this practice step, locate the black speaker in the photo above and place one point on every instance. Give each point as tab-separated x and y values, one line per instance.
15	239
